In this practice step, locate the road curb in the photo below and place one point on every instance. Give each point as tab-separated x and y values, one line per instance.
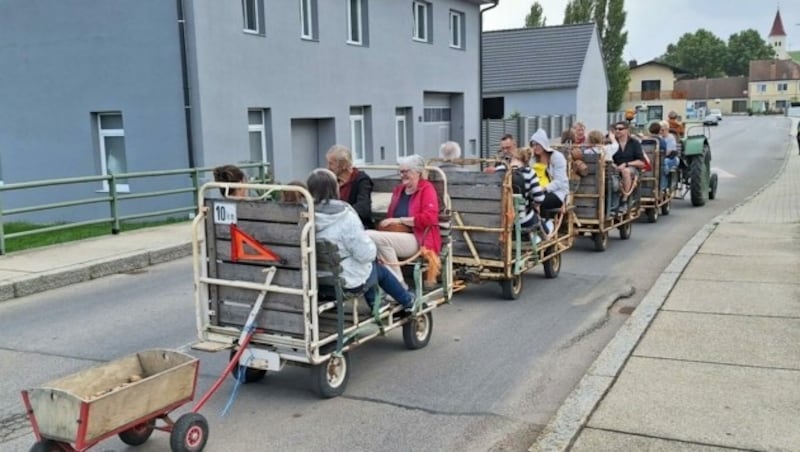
55	279
565	426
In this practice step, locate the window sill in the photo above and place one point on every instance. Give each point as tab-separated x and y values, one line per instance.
308	39
424	41
253	32
355	44
456	47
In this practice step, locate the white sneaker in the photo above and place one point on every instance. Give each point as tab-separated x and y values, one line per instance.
548	226
536	239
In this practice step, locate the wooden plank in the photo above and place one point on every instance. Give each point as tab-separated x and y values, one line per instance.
586	202
56	412
464	205
289	254
273	321
485	250
285	277
590	213
478	237
475	192
475	178
486	220
273	300
264	232
272	211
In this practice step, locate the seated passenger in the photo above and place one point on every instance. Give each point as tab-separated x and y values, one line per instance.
355	186
230	174
597	144
556	164
448	152
507	146
675	124
337	222
579	129
293	197
412	222
628	160
671	160
531	190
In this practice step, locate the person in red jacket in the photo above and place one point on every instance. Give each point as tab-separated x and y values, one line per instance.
412	222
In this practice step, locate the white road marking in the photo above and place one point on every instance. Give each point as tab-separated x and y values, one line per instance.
722	174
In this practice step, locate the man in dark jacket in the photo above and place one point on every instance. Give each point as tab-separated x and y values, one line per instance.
355	186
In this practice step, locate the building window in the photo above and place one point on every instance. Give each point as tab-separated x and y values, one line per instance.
111	138
257	134
422	21
308	19
357	22
251	13
783	87
401	132
357	131
457	30
761	87
655	112
436	114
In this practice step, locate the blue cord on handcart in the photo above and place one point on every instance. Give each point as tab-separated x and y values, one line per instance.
239	380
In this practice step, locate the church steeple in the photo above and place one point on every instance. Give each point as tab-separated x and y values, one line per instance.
777	37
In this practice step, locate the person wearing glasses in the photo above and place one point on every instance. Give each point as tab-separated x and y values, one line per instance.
628	160
508	146
412	221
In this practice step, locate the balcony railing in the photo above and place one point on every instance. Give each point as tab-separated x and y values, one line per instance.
635	96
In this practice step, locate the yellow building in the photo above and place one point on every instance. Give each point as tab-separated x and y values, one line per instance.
652	88
773	85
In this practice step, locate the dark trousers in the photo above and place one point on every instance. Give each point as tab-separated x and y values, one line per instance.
551	201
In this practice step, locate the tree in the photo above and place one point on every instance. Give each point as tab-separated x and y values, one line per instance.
579	11
535	18
701	53
744	47
609	15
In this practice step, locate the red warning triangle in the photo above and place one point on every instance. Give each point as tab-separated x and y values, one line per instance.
240	238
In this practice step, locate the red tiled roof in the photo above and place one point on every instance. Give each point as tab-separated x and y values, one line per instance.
777	26
770	70
713	88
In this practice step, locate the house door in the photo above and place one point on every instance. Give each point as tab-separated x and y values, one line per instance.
311	139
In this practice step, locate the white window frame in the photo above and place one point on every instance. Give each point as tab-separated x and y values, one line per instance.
761	88
359	24
458	19
257	30
425	6
309	6
358	154
260	128
783	85
101	135
398	120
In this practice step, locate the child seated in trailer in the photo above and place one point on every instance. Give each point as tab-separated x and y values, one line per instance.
526	183
230	174
337	222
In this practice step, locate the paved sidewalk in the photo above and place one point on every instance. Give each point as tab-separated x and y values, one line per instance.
710	360
27	272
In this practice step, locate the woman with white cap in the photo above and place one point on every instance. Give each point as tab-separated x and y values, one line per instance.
557	190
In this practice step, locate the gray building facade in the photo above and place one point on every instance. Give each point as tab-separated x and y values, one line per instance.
555	70
90	86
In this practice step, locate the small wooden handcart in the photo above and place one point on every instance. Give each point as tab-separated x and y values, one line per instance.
124	397
656	199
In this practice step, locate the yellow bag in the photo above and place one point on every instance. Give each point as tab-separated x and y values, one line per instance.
541	172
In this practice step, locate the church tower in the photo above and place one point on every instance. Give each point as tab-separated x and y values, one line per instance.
777	38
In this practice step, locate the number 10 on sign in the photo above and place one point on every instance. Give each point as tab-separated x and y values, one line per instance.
224	213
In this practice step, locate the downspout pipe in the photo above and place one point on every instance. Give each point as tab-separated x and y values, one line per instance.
480	76
187	99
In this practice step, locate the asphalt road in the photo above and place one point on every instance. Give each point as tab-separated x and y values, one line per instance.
494	372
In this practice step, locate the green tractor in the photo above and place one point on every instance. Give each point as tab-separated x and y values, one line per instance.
694	175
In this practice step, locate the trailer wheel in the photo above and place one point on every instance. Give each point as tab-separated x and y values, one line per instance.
511	287
712	192
552	266
417	331
652	215
251	374
330	378
47	445
600	240
189	434
666	207
625	230
138	434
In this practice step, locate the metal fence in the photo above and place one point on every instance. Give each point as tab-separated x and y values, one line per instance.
525	126
112	197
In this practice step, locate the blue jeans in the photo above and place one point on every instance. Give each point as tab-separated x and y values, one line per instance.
383	277
669	165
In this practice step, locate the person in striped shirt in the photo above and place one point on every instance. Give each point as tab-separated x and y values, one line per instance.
526	183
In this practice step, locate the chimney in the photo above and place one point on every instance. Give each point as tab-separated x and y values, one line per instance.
632	64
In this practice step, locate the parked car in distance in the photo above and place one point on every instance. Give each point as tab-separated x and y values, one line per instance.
711	120
716	112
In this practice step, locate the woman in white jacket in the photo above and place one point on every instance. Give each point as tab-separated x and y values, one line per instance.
337	222
557	190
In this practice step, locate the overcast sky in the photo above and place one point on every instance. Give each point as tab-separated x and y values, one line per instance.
654	24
